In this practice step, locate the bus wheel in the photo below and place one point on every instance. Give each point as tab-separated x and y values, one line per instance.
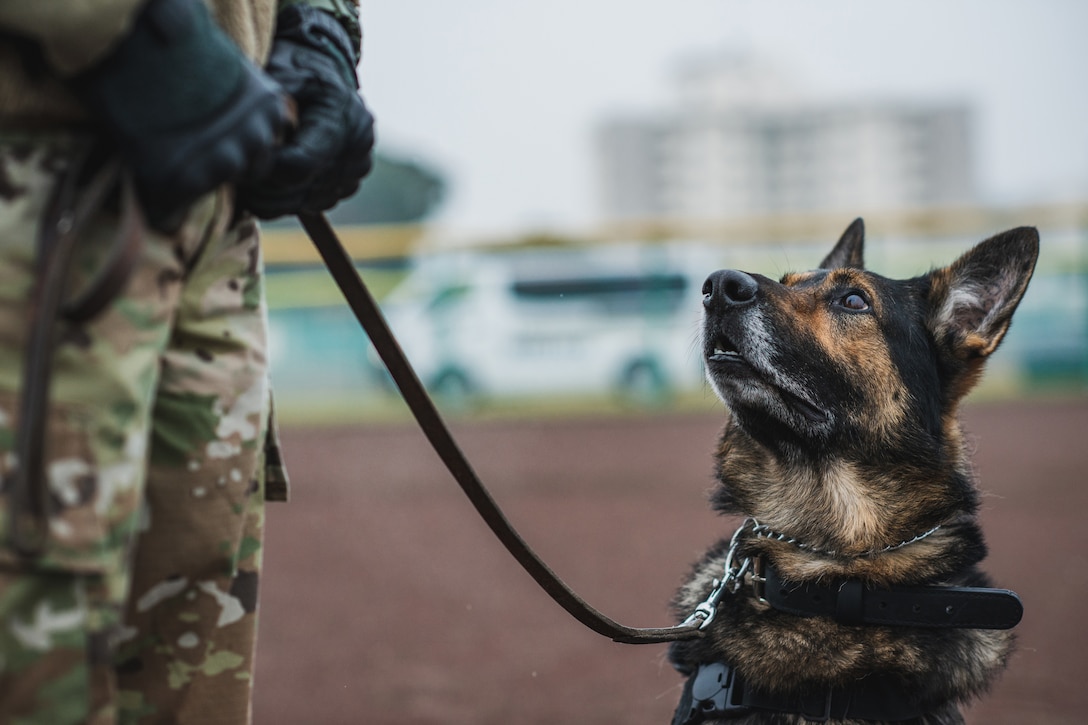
643	384
455	390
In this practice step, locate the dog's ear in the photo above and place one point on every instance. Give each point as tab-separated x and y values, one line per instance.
850	249
971	301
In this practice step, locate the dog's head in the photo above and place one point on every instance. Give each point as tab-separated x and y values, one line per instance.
841	356
843	387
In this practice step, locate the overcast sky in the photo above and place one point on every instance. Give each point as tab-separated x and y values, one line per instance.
503	95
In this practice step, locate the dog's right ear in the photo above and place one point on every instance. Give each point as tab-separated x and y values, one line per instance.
971	301
850	249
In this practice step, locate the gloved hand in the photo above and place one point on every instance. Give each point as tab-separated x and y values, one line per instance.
314	60
187	110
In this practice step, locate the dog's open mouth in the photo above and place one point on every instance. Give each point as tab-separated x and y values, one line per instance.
724	350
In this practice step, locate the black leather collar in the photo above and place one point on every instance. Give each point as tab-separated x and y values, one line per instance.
851	602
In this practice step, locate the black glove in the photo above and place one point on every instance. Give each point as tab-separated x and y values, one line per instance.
187	110
314	59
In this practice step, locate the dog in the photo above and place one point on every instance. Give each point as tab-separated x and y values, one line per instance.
851	593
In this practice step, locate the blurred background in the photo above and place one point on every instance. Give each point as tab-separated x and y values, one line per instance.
553	183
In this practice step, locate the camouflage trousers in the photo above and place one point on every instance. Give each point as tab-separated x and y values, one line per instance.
142	605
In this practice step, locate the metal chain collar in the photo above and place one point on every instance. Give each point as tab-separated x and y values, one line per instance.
764	532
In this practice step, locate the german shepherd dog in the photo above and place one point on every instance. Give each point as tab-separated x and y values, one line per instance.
851	593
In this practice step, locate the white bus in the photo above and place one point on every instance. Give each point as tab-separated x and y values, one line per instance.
620	319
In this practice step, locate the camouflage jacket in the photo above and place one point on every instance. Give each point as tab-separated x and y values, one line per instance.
73	36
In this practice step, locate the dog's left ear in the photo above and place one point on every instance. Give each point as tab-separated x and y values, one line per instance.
971	302
850	249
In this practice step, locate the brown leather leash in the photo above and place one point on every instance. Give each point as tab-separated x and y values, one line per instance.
366	310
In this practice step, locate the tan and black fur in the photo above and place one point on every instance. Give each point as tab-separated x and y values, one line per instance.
843	388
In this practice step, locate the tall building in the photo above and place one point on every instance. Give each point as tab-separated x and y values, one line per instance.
742	140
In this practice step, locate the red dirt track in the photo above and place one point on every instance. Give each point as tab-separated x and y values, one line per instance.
387	600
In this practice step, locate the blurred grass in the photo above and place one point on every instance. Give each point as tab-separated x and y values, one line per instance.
389	409
367	408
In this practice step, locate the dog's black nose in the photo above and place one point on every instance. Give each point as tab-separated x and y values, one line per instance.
729	287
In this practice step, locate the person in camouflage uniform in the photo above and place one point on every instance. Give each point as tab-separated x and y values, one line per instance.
130	533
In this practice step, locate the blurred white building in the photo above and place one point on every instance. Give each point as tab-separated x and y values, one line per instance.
742	139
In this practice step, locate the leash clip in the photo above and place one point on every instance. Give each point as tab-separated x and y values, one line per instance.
734	572
731	581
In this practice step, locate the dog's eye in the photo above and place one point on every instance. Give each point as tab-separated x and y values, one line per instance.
854	302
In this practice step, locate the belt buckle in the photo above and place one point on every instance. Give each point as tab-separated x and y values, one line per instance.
759	579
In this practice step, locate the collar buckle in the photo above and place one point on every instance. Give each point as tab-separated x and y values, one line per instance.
759	579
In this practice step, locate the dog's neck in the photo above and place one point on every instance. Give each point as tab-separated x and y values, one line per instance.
841	516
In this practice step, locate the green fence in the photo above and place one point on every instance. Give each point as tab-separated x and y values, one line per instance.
322	364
